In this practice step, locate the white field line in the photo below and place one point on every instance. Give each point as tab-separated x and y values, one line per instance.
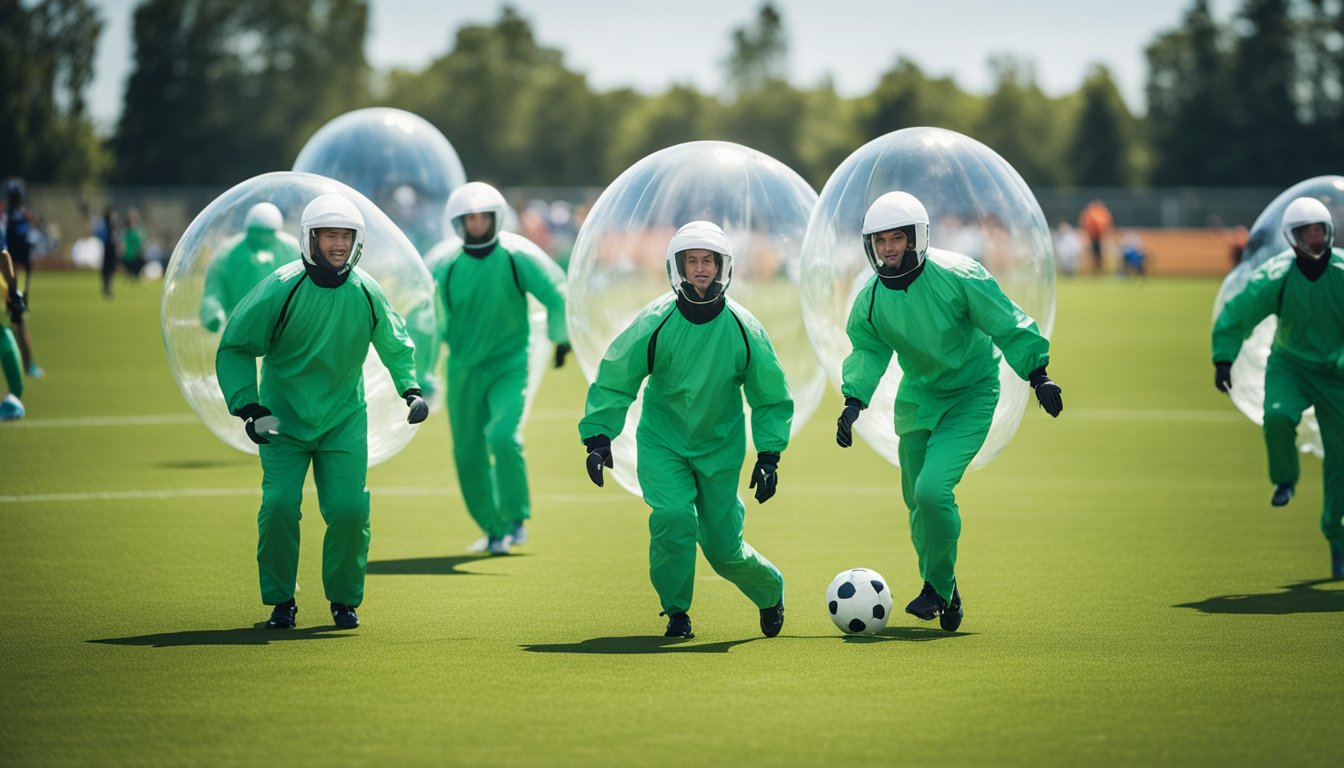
563	414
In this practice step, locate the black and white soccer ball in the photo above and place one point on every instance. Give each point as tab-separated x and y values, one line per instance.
859	602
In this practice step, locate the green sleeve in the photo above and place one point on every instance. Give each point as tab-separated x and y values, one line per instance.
442	314
767	391
246	338
543	278
390	340
863	369
619	375
214	297
1244	311
1012	331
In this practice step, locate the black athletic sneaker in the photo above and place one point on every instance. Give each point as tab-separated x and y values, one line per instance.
927	605
1283	493
950	619
772	619
1336	560
282	615
344	615
678	625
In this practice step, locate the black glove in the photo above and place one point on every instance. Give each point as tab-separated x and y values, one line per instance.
1222	377
764	476
258	422
561	350
844	435
17	306
1047	392
599	454
419	408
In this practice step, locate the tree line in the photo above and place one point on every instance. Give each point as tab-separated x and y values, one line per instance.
222	90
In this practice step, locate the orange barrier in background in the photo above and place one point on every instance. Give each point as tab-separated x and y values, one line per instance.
1171	252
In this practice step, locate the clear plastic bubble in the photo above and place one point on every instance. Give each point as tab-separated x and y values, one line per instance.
540	351
618	264
396	159
388	256
978	205
1264	241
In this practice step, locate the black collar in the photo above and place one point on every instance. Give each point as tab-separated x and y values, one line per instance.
906	275
1313	268
324	277
700	314
480	251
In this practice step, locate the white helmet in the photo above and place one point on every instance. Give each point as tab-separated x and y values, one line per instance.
708	236
895	210
1300	213
263	216
330	211
475	197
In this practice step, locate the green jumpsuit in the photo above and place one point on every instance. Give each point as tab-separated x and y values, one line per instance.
692	438
484	316
947	330
243	262
1305	368
313	341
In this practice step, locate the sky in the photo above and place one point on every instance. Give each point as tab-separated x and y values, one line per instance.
651	46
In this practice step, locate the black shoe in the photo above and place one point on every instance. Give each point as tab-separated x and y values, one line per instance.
950	619
1336	560
344	615
282	615
1283	493
678	625
772	619
927	605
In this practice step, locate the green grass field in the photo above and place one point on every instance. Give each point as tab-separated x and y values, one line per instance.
1131	597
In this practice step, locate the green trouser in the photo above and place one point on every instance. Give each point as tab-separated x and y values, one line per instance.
10	361
696	499
485	414
340	461
1291	388
932	463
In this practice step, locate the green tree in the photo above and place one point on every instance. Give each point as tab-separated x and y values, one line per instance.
905	97
1100	152
647	124
1023	125
222	90
1270	138
1189	92
478	92
759	53
46	65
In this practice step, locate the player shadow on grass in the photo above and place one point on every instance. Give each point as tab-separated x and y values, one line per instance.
203	463
639	644
432	566
1302	597
906	634
256	634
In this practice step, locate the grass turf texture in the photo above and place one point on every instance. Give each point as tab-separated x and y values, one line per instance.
1131	597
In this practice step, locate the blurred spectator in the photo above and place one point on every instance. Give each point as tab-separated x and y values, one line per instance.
108	231
18	231
1134	256
133	244
1236	246
1096	223
1068	247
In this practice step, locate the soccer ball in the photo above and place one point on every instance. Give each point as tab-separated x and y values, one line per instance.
859	602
